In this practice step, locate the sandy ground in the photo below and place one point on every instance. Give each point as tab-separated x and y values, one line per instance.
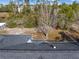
20	31
52	35
24	31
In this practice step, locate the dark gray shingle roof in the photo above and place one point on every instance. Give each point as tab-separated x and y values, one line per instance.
9	40
19	42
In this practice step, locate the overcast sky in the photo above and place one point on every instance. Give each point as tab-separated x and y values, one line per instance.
32	1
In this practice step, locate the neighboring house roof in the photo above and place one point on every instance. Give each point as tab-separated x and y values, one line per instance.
44	47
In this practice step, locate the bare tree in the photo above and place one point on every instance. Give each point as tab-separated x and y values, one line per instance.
54	13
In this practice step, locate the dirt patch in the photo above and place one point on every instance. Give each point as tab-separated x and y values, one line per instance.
54	35
38	36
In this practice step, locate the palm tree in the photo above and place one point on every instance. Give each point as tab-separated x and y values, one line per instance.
54	13
75	7
66	16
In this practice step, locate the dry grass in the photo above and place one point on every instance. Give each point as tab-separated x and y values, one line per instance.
3	32
38	36
54	35
75	34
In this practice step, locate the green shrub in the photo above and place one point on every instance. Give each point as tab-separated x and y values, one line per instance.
11	25
30	23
